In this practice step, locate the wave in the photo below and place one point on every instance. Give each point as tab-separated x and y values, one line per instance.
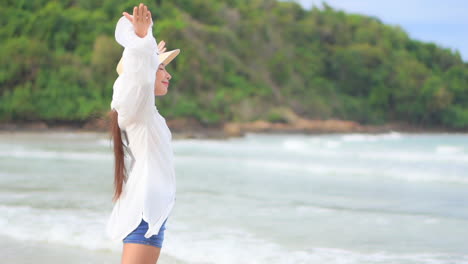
448	149
319	169
105	143
223	245
332	205
406	156
333	147
83	228
56	155
371	137
216	244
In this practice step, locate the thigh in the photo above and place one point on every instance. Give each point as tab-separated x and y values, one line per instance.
134	253
140	250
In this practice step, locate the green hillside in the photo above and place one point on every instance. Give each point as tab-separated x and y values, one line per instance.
241	60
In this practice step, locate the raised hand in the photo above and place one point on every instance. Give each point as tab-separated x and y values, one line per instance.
141	19
162	46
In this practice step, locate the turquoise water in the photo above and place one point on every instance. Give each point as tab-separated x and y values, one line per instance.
355	198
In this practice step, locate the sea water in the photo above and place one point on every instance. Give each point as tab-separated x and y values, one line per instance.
263	198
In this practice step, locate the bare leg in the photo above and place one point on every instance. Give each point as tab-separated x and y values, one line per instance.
134	253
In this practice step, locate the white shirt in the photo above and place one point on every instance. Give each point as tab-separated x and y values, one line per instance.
149	192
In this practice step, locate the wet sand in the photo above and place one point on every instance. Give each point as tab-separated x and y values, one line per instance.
23	252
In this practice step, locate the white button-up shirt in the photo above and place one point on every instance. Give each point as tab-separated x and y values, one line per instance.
149	192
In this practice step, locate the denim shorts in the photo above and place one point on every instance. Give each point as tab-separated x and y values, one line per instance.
138	235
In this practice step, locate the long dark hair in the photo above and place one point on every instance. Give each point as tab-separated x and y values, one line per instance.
120	172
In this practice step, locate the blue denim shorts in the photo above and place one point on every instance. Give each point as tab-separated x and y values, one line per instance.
138	235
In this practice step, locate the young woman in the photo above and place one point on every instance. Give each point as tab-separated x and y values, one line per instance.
145	191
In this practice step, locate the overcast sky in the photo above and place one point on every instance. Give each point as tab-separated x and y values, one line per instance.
442	22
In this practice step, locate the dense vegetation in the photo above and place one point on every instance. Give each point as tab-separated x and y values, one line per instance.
241	60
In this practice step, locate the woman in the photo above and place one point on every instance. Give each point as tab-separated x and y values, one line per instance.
144	199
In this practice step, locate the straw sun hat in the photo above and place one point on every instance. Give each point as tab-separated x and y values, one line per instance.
165	58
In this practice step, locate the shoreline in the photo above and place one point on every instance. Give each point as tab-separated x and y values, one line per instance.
190	128
44	251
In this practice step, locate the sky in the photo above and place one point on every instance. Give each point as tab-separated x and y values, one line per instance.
442	22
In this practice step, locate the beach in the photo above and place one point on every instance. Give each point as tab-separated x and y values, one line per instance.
21	252
261	198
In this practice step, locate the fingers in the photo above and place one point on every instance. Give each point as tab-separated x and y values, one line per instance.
142	14
128	16
135	14
150	17
161	46
141	19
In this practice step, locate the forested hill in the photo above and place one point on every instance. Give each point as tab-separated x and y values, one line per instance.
241	60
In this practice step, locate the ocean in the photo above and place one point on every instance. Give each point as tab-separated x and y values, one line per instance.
263	198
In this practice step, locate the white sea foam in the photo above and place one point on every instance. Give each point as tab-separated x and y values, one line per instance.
371	137
420	176
105	142
291	144
83	228
319	159
412	156
362	172
332	144
236	246
307	146
334	255
331	149
213	244
49	154
447	149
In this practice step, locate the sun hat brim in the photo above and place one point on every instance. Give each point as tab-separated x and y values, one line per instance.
168	56
164	58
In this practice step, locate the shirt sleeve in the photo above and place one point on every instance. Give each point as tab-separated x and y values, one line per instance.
133	96
126	36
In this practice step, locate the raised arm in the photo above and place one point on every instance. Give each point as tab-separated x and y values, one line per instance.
133	96
134	31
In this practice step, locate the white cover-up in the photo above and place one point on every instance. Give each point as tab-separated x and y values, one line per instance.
149	192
